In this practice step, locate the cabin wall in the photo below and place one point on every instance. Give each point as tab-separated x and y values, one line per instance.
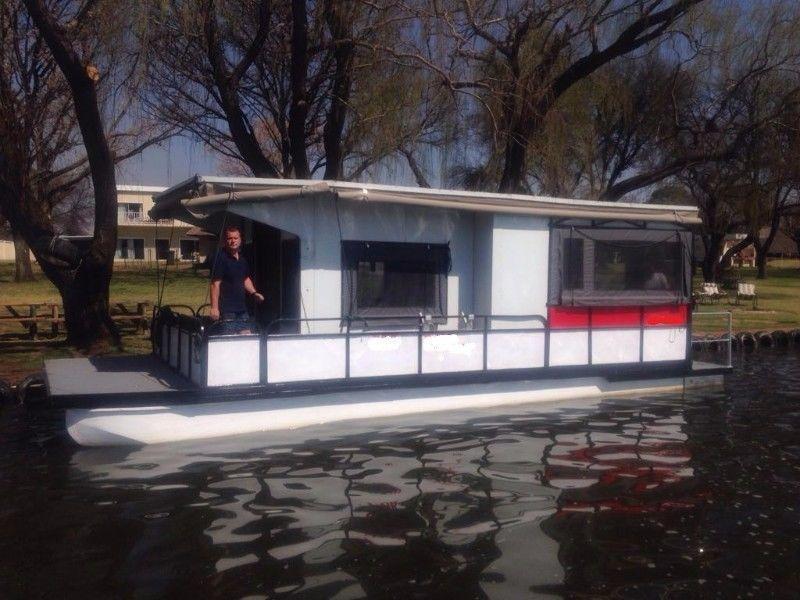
482	263
321	225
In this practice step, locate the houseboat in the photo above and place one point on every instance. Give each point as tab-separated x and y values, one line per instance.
385	300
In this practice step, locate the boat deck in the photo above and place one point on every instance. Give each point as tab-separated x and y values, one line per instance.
112	375
141	380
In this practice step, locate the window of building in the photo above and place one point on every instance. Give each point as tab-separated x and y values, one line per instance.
387	279
188	248
130	248
130	211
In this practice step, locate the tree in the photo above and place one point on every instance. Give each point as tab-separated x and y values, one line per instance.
65	116
280	87
516	61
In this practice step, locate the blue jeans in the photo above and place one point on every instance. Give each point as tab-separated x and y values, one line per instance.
233	323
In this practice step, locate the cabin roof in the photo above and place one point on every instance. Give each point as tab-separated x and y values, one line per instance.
203	194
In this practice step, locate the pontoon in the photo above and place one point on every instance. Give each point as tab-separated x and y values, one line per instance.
385	300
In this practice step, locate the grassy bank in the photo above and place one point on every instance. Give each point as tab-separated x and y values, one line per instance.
182	286
778	299
778	306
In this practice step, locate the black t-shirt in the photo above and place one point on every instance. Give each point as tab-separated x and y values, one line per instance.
231	272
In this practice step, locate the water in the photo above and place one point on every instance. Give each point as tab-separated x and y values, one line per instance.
663	496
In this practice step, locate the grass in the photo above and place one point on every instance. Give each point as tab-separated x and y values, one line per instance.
778	299
129	285
778	306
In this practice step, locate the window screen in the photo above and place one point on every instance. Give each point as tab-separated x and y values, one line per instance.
385	279
625	265
573	264
617	265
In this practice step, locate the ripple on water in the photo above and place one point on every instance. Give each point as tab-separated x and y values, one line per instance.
667	496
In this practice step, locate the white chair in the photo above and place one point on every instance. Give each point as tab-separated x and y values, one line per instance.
747	291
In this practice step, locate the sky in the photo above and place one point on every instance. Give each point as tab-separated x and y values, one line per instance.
176	160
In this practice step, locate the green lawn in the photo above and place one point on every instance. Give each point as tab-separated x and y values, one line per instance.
128	286
778	299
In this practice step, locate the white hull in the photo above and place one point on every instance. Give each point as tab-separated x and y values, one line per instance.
173	423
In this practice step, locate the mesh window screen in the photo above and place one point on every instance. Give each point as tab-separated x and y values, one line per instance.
388	279
595	266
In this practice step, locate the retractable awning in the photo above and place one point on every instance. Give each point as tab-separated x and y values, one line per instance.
201	196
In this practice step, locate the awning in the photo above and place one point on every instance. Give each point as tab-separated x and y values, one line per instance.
201	196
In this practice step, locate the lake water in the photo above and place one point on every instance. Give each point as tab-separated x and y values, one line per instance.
663	496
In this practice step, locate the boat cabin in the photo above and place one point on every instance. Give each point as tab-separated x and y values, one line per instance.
373	285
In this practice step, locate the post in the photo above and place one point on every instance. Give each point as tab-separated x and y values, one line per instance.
347	350
485	342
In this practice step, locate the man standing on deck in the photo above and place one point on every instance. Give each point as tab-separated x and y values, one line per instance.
230	282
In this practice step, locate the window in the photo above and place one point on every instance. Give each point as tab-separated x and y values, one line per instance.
595	265
573	264
383	279
130	211
188	248
624	265
128	248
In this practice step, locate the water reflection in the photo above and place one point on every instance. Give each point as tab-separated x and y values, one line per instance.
632	497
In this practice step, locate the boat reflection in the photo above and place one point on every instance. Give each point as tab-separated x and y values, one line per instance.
475	503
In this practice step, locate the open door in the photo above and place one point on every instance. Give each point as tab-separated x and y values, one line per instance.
275	261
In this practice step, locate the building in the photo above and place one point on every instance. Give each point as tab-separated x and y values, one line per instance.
142	239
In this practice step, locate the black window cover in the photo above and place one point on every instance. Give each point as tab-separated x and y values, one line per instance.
594	266
388	279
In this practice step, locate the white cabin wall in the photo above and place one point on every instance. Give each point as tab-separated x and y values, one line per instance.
320	249
520	252
482	263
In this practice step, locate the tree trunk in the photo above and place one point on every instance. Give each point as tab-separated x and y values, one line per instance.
298	110
89	325
23	271
712	260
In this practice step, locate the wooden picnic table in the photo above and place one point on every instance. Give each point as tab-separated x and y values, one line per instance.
47	314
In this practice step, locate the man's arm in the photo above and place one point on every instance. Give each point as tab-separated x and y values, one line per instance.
214	293
251	289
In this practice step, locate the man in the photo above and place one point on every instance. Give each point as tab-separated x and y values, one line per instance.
230	283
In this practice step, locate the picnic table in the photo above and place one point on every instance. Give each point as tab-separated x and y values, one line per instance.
47	315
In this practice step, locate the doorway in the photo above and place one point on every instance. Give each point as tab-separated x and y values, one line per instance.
275	260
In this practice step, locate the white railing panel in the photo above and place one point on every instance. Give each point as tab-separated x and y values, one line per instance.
569	348
305	359
233	361
450	352
515	350
615	346
377	355
664	344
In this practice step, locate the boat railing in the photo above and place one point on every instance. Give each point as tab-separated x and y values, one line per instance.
316	350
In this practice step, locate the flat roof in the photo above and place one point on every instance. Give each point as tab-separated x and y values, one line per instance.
209	193
144	189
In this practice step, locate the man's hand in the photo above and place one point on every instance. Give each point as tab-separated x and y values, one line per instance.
259	298
214	314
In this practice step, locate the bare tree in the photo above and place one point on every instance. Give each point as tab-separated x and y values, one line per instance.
516	61
65	117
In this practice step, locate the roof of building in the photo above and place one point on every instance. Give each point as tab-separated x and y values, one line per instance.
202	194
144	189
